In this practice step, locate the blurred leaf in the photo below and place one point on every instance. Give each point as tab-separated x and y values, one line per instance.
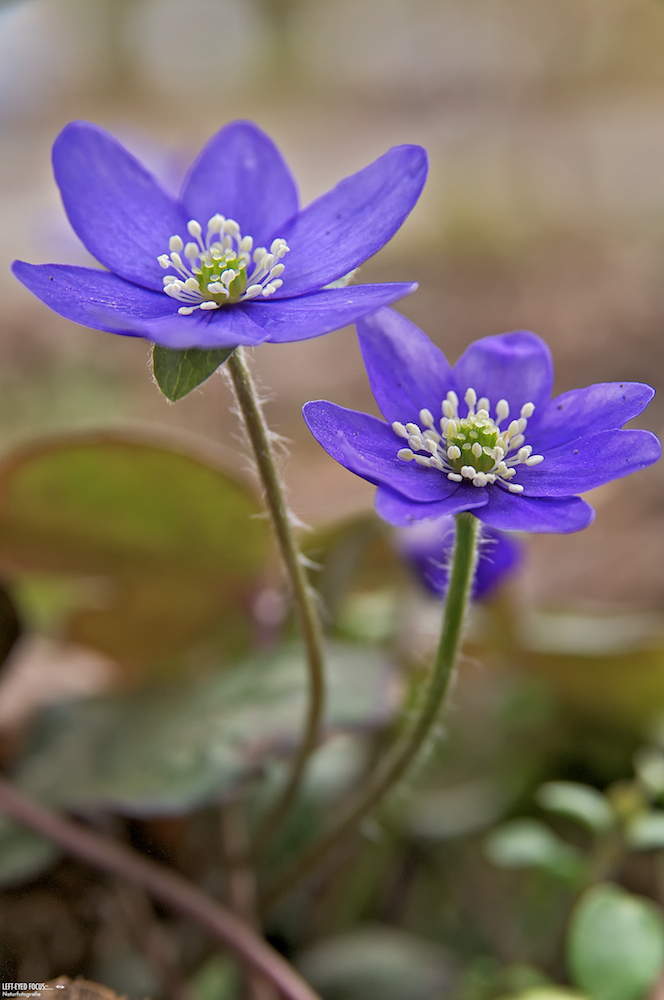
615	944
178	372
646	831
179	539
23	854
580	802
157	753
527	843
443	813
378	962
649	767
546	992
216	979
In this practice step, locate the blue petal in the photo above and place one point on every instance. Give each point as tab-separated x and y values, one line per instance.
583	464
116	207
407	372
428	547
105	302
512	512
285	320
241	174
402	512
368	447
586	411
352	221
513	366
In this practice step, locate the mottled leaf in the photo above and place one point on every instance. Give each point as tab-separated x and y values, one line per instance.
167	752
178	372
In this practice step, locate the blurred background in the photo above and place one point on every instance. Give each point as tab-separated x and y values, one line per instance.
544	209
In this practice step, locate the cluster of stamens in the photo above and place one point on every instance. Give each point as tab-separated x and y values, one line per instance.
217	269
473	447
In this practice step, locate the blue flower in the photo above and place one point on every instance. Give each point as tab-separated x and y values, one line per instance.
428	547
233	260
499	446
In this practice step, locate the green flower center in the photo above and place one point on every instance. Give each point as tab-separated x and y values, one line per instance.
221	269
473	448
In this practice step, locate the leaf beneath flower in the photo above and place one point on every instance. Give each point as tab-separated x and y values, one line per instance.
178	372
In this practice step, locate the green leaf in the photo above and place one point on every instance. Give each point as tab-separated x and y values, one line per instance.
178	372
615	946
380	962
527	843
176	541
579	802
168	751
23	854
646	831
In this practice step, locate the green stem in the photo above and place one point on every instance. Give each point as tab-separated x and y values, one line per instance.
309	620
395	764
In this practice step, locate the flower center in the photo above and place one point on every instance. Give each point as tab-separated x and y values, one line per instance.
473	447
220	269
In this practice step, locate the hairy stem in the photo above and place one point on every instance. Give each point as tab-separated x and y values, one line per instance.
161	883
309	621
393	767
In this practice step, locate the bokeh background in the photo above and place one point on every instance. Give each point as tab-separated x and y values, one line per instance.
544	208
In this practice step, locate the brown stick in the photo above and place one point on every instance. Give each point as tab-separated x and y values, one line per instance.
160	882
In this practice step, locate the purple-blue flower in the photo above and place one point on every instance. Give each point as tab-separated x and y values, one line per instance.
484	436
428	547
232	260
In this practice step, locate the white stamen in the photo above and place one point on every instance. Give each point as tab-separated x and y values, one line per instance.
473	435
175	243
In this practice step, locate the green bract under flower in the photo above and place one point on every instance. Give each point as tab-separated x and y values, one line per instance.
222	269
471	447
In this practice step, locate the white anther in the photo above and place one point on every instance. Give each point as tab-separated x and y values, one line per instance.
513	428
430	446
186	310
266	263
399	429
426	418
258	253
477	450
534	459
446	406
455	477
208	305
453	398
466	446
517	441
527	410
175	243
468	471
277	270
173	289
480	479
453	452
252	291
246	243
191	251
277	283
515	488
231	227
216	224
483	404
164	260
502	410
191	285
523	423
216	288
405	454
423	460
415	442
470	399
432	435
227	276
524	453
194	229
169	279
177	260
268	290
412	428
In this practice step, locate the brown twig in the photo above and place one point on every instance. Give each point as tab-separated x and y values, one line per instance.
160	882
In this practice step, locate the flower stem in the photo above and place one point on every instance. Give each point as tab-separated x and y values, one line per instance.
309	620
395	764
161	883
